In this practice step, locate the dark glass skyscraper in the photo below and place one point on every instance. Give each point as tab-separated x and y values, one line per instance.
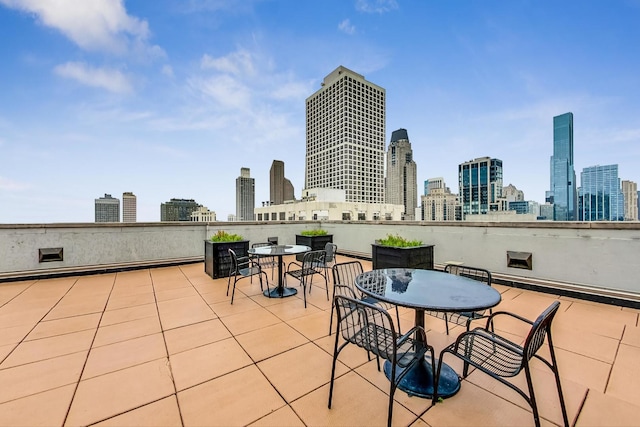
480	183
563	193
601	197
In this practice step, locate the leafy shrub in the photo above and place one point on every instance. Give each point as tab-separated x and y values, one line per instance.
398	242
316	232
223	236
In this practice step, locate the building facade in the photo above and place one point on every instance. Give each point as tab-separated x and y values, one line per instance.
480	183
177	210
202	214
345	140
129	207
440	205
512	194
245	196
563	194
401	182
630	194
280	188
107	209
600	197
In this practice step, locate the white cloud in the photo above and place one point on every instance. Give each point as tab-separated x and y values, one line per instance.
346	27
376	6
225	91
167	70
10	185
97	25
105	78
240	62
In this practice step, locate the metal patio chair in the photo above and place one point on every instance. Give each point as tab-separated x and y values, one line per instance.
265	261
242	267
371	328
501	358
311	265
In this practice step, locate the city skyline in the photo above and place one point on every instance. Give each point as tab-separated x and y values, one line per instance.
170	99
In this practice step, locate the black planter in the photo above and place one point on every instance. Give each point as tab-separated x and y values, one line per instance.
217	262
316	243
393	257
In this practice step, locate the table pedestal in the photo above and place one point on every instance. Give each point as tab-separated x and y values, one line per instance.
419	380
280	292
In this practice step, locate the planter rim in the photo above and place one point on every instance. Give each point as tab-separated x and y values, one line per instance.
401	247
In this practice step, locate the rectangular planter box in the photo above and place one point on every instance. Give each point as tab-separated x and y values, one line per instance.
316	243
391	257
217	262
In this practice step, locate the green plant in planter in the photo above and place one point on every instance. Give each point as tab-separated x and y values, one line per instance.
316	232
223	236
398	242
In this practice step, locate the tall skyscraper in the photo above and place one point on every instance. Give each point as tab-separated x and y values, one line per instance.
280	188
346	137
600	196
562	193
107	209
438	204
178	210
128	207
401	185
480	183
630	193
245	196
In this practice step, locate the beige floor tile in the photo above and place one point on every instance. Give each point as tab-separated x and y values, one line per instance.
111	317
126	330
48	348
163	413
41	376
196	335
78	307
204	363
592	345
299	371
116	302
356	402
352	355
266	342
583	370
102	397
14	334
51	407
9	291
170	294
235	399
249	321
313	326
595	318
124	354
283	417
631	336
64	326
603	410
240	305
5	350
184	311
293	309
625	376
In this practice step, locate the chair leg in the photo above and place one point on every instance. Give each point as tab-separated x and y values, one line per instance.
228	283
398	317
392	391
532	397
233	292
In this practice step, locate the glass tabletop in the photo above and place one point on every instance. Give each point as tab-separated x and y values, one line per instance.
279	250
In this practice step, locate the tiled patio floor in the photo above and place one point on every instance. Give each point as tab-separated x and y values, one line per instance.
163	347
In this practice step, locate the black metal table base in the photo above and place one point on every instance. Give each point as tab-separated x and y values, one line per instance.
280	292
419	380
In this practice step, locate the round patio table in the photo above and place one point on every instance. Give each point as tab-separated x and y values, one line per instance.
427	290
280	291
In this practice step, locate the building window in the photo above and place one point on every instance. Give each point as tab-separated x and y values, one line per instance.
346	216
362	216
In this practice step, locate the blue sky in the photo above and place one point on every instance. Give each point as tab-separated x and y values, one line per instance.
170	98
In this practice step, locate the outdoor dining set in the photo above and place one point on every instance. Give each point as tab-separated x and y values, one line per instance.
365	312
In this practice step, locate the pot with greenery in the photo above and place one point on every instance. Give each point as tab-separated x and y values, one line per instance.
397	252
217	262
316	239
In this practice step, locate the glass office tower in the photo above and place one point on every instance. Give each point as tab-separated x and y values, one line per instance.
562	193
601	197
480	182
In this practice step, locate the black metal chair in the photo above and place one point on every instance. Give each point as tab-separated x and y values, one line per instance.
311	265
242	267
265	261
466	317
371	328
345	274
501	358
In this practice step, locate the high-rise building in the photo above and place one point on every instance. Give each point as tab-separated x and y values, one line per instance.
480	183
280	188
346	137
630	194
245	196
600	196
128	207
512	194
178	209
107	209
439	204
563	194
202	214
401	182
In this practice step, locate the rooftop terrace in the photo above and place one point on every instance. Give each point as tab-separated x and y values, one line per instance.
163	346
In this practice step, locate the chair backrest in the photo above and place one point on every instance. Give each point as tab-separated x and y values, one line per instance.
261	244
539	330
313	259
234	261
366	325
345	273
330	250
475	273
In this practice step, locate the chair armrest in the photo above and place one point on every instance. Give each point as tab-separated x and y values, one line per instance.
297	264
416	329
493	338
500	313
344	290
